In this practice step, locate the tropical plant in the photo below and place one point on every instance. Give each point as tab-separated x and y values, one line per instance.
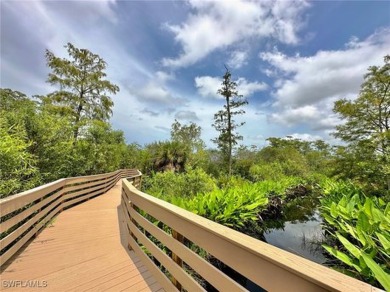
360	229
233	207
167	156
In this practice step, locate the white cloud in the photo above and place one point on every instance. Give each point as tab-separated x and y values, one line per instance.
87	11
306	136
217	24
308	80
307	87
290	116
238	59
248	88
208	86
163	77
52	24
318	117
187	115
153	93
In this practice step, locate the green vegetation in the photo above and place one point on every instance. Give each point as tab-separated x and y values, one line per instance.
67	133
183	185
360	228
367	131
235	203
62	134
82	95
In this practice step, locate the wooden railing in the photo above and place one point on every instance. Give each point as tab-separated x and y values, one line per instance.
267	266
24	214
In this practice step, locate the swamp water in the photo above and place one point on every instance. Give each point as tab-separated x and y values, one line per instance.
298	230
301	238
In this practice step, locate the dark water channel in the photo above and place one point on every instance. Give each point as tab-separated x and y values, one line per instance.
298	229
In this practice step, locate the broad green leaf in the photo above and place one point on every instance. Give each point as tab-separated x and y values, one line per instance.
349	229
328	218
361	236
384	241
349	246
377	215
252	206
378	272
342	257
368	207
333	210
363	221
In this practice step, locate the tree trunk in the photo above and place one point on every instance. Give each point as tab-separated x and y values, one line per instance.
230	136
78	117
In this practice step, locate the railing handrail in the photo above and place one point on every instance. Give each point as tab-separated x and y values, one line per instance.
25	213
267	266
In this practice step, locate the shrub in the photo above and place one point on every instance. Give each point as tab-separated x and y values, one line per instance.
170	184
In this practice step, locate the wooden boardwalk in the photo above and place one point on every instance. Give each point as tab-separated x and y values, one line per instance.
83	249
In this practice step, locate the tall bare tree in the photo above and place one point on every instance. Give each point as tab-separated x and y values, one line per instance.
223	119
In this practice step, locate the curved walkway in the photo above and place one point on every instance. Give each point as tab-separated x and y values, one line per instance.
83	249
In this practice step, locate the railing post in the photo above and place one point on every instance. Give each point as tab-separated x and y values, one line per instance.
126	214
179	237
39	210
62	197
134	222
135	182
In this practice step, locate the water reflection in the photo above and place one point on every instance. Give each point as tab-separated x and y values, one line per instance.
298	230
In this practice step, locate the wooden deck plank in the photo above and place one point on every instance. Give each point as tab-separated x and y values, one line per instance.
82	249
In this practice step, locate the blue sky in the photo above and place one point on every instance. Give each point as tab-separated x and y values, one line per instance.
291	59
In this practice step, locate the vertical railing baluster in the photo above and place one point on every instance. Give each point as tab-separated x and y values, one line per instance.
134	222
179	237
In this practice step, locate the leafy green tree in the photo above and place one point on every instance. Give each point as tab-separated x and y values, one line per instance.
18	166
292	157
223	119
83	92
367	121
49	137
244	158
213	163
288	153
53	144
18	169
187	134
321	158
132	157
108	146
